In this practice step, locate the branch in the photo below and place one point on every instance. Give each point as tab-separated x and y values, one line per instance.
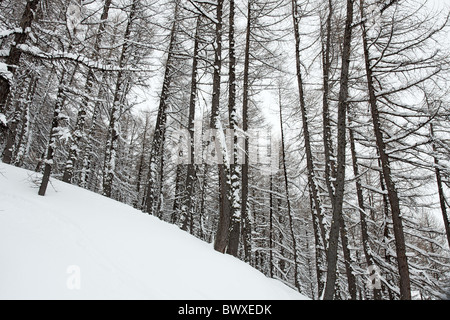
376	13
202	11
79	58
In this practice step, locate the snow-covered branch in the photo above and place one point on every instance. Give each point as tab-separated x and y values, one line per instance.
76	57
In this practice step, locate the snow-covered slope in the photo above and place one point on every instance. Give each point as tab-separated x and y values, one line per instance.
74	244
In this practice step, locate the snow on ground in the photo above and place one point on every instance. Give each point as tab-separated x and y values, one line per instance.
75	244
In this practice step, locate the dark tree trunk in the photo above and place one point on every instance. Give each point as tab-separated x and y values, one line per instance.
246	227
402	260
12	60
53	136
341	158
223	227
154	187
84	106
362	209
14	123
187	210
113	128
317	217
235	175
441	194
288	200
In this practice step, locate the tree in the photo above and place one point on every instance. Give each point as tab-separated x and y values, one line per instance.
13	58
84	106
113	128
154	186
319	229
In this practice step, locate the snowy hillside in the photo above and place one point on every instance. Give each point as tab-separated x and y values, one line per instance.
74	244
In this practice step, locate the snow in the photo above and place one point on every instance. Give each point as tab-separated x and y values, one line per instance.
4	72
35	51
3	119
7	33
74	244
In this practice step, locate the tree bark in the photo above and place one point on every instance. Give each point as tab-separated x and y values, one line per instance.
362	208
246	226
113	128
187	210
441	194
14	123
223	227
154	188
12	60
317	217
288	200
402	260
53	136
84	106
235	174
341	158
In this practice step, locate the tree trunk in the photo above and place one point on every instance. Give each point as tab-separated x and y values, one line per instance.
362	209
402	260
14	123
53	136
246	227
441	193
223	227
84	106
235	174
12	60
154	187
288	200
187	209
317	217
341	158
113	128
271	233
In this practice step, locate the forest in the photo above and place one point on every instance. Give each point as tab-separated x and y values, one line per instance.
310	139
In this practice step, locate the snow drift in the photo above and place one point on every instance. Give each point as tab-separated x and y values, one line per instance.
75	244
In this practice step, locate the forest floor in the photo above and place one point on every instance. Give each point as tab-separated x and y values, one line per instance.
75	244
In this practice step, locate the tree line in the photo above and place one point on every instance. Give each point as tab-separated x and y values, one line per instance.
320	128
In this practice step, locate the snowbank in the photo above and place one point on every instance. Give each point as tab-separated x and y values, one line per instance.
74	244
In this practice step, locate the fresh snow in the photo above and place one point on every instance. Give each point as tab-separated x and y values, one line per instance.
4	72
75	244
3	119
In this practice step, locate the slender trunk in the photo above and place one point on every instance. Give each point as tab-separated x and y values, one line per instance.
223	227
341	158
288	200
154	187
119	92
179	193
187	209
442	199
84	106
316	212
362	208
328	146
88	152
271	265
348	260
235	174
24	136
13	58
53	136
402	260
246	227
14	123
330	166
140	167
